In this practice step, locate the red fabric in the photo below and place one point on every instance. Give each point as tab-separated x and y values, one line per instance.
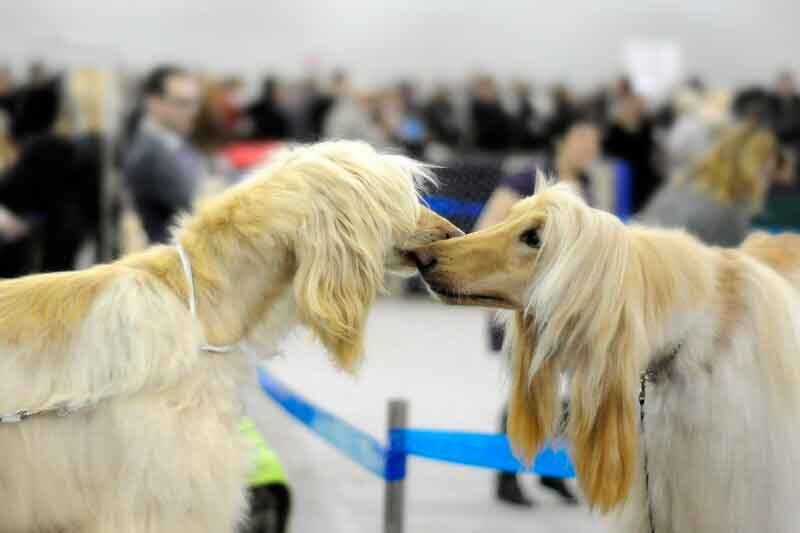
247	154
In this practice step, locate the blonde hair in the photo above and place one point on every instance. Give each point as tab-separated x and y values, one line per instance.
732	171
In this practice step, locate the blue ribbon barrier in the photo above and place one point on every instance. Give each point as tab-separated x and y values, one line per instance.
479	449
453	207
473	449
360	447
623	189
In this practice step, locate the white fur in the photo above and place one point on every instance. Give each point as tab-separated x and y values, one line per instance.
723	445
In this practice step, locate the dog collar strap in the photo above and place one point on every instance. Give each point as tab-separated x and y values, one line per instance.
187	271
657	368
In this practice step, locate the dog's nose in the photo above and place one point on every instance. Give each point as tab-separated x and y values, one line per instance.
425	259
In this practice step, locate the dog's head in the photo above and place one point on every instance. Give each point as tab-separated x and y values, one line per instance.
359	216
564	268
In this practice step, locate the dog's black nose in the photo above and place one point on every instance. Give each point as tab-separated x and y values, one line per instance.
425	259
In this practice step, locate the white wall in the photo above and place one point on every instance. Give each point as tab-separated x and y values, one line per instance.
727	41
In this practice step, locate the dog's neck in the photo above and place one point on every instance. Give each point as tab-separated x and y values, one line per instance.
239	272
667	284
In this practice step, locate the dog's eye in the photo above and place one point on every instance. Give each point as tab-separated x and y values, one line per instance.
530	238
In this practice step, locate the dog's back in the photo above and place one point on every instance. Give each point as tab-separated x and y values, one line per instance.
781	252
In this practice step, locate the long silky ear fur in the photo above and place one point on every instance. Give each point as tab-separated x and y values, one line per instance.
533	404
355	204
339	273
604	434
588	288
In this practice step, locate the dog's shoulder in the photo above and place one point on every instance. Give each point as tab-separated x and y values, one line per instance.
780	252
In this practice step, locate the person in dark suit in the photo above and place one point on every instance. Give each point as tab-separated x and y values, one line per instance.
161	167
492	124
267	118
52	188
630	137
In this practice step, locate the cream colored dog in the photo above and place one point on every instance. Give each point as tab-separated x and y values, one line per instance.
717	330
148	439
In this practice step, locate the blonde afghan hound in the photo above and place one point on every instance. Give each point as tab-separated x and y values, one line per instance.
118	405
715	333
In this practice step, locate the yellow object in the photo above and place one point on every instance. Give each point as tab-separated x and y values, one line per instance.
266	467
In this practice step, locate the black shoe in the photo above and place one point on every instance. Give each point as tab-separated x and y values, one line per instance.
558	486
509	491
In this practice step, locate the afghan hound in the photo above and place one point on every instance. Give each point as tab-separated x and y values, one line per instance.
710	336
119	401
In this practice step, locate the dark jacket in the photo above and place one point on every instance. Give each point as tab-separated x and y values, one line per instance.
162	173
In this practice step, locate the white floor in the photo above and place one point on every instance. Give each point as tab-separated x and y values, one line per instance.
437	358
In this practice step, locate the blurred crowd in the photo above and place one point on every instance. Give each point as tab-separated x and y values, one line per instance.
76	171
172	122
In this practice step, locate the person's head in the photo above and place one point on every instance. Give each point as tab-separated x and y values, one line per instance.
270	88
630	107
6	80
696	84
740	167
622	87
441	94
785	86
484	89
37	73
521	88
232	84
172	98
575	142
340	83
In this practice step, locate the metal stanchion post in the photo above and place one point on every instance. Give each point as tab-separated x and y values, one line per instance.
394	497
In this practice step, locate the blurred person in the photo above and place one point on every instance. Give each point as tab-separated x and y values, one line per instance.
322	102
717	198
575	146
527	124
786	108
16	248
7	148
358	116
630	138
408	94
6	81
597	105
268	487
12	227
698	117
268	119
210	130
564	107
37	73
491	123
400	123
228	103
161	167
440	118
52	185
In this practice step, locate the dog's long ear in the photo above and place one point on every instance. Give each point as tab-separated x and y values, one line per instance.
533	399
603	416
339	273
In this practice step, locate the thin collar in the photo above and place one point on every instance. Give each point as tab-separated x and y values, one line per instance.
662	364
187	271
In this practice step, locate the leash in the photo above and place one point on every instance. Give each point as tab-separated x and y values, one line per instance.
659	367
187	271
66	409
59	411
642	398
